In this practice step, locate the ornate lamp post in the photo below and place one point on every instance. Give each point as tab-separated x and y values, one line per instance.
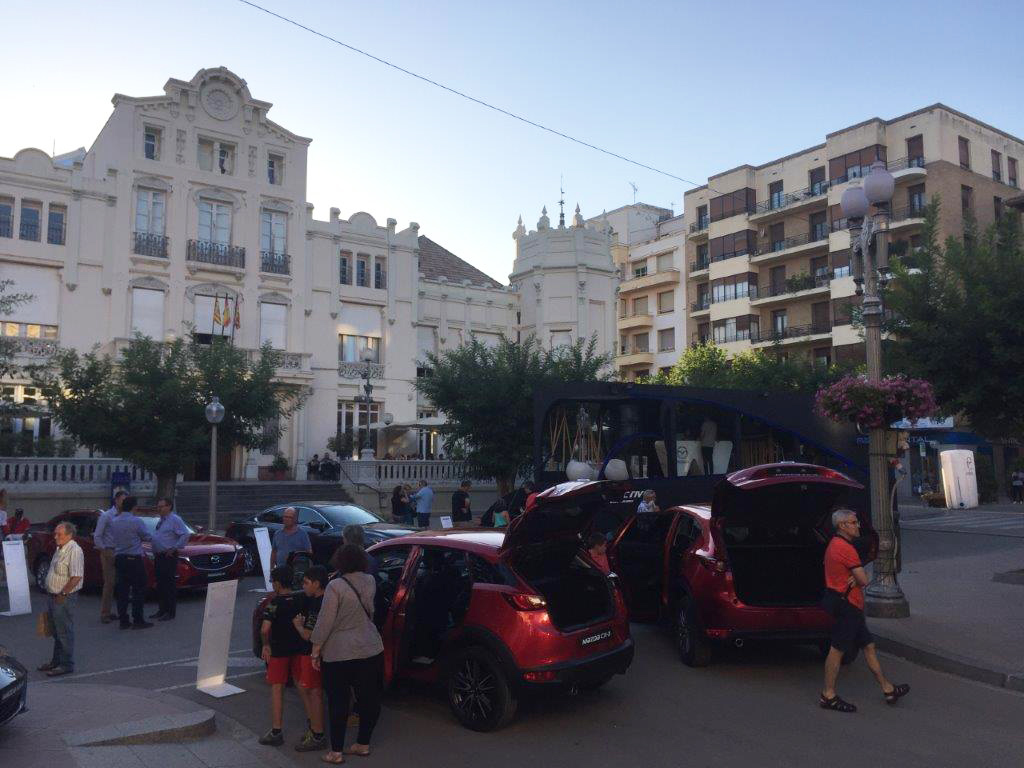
368	356
869	247
214	415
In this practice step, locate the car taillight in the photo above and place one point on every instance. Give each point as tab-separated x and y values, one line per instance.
543	676
522	601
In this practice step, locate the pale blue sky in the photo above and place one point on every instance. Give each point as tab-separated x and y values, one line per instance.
693	88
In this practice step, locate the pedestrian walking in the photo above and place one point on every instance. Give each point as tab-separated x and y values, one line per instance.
289	538
461	512
313	468
348	650
63	581
424	499
128	533
309	682
104	540
282	647
1017	485
844	600
171	535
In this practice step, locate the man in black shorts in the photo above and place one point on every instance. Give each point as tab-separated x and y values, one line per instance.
460	504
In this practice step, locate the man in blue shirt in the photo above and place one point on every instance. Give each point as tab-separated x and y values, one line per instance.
289	539
170	536
424	499
105	545
128	532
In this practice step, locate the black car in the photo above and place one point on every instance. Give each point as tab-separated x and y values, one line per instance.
322	520
13	687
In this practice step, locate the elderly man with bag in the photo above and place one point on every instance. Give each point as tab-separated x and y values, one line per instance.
63	581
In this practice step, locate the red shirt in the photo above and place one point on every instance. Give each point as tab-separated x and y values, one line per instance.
840	560
13	525
602	561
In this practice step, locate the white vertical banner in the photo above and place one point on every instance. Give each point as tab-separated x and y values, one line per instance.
18	599
263	545
212	667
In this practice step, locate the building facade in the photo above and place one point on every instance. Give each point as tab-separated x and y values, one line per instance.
188	216
768	251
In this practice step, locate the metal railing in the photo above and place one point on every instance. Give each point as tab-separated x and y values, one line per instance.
903	163
29	230
385	474
6	226
55	234
700	224
781	201
148	244
348	370
701	304
380	280
221	254
697	266
276	263
819	232
794	284
791	332
915	211
37	348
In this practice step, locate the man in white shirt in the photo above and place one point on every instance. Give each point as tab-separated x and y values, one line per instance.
63	581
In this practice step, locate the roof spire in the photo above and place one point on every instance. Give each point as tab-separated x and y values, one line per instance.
561	202
577	220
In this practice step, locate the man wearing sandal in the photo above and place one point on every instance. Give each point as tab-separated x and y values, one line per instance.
846	576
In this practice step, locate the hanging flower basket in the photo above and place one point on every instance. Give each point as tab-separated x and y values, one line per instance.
876	404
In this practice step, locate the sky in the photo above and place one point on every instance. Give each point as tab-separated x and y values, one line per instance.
689	88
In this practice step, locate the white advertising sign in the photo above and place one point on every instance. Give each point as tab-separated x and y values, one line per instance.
263	545
19	601
959	482
212	667
446	521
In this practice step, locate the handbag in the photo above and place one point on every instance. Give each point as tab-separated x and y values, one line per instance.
44	624
362	605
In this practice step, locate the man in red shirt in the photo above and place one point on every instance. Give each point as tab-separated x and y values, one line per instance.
844	579
15	525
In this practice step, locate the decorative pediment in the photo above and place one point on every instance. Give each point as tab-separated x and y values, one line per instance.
211	289
153	182
275	297
277	204
217	193
149	282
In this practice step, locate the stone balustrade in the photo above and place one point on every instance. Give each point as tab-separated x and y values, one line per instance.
385	475
86	474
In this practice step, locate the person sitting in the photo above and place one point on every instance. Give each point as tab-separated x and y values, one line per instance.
597	548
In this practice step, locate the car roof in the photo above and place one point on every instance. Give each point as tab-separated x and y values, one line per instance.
702	511
477	539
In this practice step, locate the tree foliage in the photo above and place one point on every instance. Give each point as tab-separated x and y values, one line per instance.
8	347
958	322
487	393
149	406
707	365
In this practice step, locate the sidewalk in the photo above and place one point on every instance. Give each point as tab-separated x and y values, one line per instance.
961	620
909	507
98	726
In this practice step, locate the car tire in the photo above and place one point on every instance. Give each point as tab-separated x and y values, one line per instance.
39	572
251	556
479	693
693	647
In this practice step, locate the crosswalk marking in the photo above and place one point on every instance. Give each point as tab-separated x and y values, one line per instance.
970	521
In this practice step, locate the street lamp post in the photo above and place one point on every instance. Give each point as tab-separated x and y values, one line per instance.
214	415
869	248
366	453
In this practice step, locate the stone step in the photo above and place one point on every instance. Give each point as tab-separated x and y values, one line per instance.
236	500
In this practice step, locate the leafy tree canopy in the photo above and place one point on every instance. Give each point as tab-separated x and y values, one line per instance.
487	395
149	406
8	347
958	322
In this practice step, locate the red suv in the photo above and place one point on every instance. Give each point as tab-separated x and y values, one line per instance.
747	567
492	614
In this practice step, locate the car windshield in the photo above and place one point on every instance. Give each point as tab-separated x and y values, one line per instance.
151	521
348	514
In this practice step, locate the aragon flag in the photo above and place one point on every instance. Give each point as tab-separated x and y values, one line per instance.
238	316
217	320
227	313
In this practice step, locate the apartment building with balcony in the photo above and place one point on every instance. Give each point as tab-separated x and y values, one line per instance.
768	251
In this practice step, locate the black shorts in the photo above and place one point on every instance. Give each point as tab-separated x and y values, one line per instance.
850	632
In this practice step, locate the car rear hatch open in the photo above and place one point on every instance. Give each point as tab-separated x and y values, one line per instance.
543	545
774	522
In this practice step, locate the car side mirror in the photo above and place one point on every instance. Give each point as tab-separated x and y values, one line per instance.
318	526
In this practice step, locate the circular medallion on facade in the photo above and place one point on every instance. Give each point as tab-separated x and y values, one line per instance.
219	103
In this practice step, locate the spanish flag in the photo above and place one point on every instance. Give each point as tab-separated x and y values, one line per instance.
217	320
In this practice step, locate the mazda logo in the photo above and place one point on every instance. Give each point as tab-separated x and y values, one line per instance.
215	559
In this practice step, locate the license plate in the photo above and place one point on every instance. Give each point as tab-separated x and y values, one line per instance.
218	575
591	639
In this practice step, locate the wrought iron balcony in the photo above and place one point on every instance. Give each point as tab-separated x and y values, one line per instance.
700	224
903	163
380	280
348	370
794	284
704	302
779	201
699	264
148	244
221	254
915	211
818	232
276	263
791	332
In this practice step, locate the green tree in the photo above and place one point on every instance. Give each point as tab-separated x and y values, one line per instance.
957	322
486	393
8	347
149	406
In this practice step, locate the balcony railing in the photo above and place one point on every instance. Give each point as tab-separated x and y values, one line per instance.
55	234
358	370
221	254
29	230
915	211
6	226
700	224
733	254
699	264
385	475
380	280
793	284
94	474
779	201
35	348
701	304
818	232
791	332
148	244
276	263
906	162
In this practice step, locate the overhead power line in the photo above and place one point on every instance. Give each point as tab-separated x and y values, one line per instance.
466	96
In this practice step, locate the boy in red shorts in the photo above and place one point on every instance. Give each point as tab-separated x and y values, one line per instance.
282	648
313	583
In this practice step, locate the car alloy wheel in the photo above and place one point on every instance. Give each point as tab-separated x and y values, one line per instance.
694	649
41	571
478	692
251	560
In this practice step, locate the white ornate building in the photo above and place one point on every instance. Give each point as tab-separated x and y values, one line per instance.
190	208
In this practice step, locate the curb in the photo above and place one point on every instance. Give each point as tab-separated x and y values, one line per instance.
153	730
950	663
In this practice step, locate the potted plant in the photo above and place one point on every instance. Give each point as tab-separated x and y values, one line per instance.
279	469
876	404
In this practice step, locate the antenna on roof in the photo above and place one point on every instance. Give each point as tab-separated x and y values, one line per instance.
561	202
634	186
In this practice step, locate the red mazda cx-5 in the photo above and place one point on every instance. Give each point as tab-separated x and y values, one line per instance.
748	566
492	614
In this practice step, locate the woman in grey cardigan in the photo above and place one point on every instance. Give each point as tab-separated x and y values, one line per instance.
348	649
